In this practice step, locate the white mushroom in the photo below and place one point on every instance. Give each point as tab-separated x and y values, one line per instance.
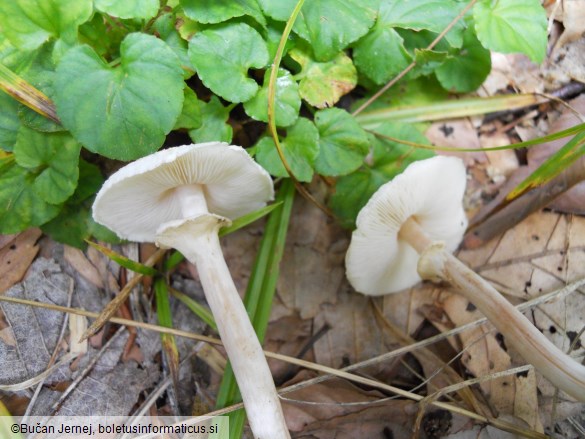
407	231
179	198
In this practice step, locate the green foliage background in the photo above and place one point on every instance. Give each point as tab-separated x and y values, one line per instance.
130	77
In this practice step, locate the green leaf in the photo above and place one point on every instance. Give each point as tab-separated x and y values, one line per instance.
428	60
104	38
287	101
381	54
323	83
300	148
465	70
213	123
190	117
29	23
218	11
389	159
53	160
74	224
9	121
272	34
343	144
121	113
144	9
431	15
512	26
280	10
222	56
331	25
20	205
165	28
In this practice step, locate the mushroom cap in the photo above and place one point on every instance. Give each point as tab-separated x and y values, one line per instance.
431	192
139	198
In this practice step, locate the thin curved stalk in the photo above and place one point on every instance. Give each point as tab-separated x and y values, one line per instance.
198	241
559	368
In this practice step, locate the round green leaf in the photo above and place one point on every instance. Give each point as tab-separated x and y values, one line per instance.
144	9
124	112
381	55
431	15
512	26
222	56
190	117
323	83
352	193
300	148
29	23
328	25
331	25
52	159
219	11
280	10
343	144
213	123
21	206
466	70
287	100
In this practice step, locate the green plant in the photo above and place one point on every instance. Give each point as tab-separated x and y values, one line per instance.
123	75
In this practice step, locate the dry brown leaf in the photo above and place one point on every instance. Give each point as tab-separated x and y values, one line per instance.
482	354
327	408
572	15
354	335
16	254
538	256
83	266
458	133
312	269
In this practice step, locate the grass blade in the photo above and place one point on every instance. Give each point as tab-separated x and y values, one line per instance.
123	261
26	94
196	308
165	319
450	109
553	166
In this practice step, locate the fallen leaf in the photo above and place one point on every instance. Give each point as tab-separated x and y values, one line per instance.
482	355
16	254
79	262
35	330
311	271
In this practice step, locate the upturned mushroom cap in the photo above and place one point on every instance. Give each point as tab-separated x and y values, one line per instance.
431	192
140	197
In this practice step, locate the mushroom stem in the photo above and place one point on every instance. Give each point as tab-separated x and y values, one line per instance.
437	263
413	233
192	200
237	334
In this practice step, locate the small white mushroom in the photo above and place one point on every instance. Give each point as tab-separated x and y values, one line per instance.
407	231
179	198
